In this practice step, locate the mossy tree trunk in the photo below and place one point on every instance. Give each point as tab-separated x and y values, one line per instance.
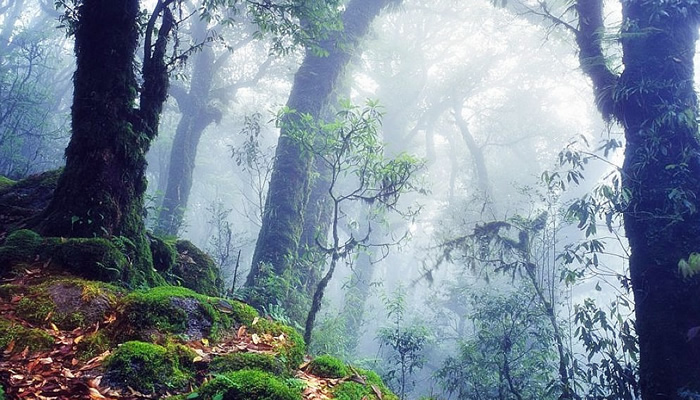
101	190
655	102
288	193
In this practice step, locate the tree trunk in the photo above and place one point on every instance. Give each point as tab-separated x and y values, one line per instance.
196	116
283	218
655	101
101	190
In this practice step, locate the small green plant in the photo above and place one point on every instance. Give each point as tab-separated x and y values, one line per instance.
328	367
405	343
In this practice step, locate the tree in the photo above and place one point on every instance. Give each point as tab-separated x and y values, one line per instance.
654	100
314	82
101	190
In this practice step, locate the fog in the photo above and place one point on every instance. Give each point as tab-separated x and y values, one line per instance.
477	281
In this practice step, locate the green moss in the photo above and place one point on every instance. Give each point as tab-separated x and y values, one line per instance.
91	258
164	254
21	247
237	361
292	350
350	390
92	345
248	384
195	270
328	367
5	182
148	367
67	302
35	339
172	310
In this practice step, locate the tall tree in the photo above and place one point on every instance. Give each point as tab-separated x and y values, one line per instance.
314	82
101	190
655	102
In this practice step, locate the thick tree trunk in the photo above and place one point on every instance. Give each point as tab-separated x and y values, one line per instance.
101	190
655	101
283	218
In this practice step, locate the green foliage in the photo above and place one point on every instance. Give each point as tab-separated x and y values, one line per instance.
509	351
292	349
247	384
328	367
405	341
149	367
259	361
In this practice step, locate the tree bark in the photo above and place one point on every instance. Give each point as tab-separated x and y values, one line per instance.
101	190
655	102
314	82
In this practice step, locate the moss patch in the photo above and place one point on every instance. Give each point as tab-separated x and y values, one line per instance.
238	361
164	254
20	248
35	339
350	390
6	182
195	270
293	348
171	310
92	345
67	302
149	367
328	367
248	384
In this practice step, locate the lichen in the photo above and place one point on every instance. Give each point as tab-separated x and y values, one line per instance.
149	367
327	366
247	384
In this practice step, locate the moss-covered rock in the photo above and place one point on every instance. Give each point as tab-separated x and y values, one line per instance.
149	367
248	384
327	366
164	254
238	361
195	270
172	310
5	182
21	247
25	199
21	337
67	302
352	390
90	258
292	348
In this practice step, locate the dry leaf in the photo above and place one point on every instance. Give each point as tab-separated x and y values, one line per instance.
376	391
254	337
10	347
95	394
241	331
255	320
205	341
78	339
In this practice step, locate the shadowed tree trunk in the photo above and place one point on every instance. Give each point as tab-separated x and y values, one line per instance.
101	190
314	82
655	102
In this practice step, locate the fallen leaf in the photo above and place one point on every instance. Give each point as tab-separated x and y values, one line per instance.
254	337
376	391
241	331
205	341
10	347
95	394
255	320
54	327
78	339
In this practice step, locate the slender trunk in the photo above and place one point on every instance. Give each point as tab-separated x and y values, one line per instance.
314	83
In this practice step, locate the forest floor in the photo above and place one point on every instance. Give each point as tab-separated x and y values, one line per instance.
59	372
